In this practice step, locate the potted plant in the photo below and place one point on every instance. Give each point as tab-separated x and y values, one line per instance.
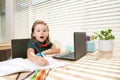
105	39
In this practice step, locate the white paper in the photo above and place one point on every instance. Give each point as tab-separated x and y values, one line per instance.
20	64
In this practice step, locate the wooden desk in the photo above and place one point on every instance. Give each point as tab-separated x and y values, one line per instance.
86	68
3	48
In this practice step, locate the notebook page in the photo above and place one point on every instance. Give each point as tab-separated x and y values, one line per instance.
20	64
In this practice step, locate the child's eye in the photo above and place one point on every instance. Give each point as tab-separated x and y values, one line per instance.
38	31
44	30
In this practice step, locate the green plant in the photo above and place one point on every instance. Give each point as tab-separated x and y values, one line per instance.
104	35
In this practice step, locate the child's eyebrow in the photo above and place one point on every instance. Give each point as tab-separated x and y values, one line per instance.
44	29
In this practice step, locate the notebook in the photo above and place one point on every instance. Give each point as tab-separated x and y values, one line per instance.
79	48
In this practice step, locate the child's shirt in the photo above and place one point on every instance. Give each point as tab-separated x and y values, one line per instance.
41	46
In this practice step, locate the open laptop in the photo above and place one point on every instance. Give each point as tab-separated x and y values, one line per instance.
19	48
79	48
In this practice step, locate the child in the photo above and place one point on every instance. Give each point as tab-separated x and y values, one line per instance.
40	43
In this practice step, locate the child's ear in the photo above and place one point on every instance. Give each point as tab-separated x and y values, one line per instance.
33	35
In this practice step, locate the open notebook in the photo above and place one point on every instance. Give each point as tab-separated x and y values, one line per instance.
19	64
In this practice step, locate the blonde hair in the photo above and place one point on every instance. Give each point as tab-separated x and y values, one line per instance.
33	27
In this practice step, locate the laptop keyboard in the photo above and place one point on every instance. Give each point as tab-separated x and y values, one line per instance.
68	54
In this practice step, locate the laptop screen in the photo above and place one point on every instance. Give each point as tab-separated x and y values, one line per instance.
79	44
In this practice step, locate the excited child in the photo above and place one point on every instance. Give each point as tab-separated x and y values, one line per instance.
40	43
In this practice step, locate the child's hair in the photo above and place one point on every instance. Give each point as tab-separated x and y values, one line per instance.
33	27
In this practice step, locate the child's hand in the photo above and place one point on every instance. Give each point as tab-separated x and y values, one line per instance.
41	61
57	50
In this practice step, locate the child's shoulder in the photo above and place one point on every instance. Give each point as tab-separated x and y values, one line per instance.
31	41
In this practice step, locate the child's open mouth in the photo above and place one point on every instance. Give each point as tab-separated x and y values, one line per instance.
41	37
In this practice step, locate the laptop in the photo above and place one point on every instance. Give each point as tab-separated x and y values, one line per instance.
19	48
79	48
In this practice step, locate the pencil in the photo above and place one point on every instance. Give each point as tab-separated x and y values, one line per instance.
18	75
47	73
28	75
37	49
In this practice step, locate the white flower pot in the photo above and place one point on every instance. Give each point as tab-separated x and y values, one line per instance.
105	45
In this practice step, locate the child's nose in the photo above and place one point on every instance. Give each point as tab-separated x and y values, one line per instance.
41	32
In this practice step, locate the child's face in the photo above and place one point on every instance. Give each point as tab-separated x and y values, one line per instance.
41	32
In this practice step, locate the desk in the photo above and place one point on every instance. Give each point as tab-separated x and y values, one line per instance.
4	47
86	68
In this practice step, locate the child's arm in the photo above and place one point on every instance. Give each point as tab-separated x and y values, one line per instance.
53	50
36	59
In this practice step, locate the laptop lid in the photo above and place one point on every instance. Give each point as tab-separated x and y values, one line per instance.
19	48
79	47
79	44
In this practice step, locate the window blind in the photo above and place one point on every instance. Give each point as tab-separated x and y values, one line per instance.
63	18
67	16
103	14
22	15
